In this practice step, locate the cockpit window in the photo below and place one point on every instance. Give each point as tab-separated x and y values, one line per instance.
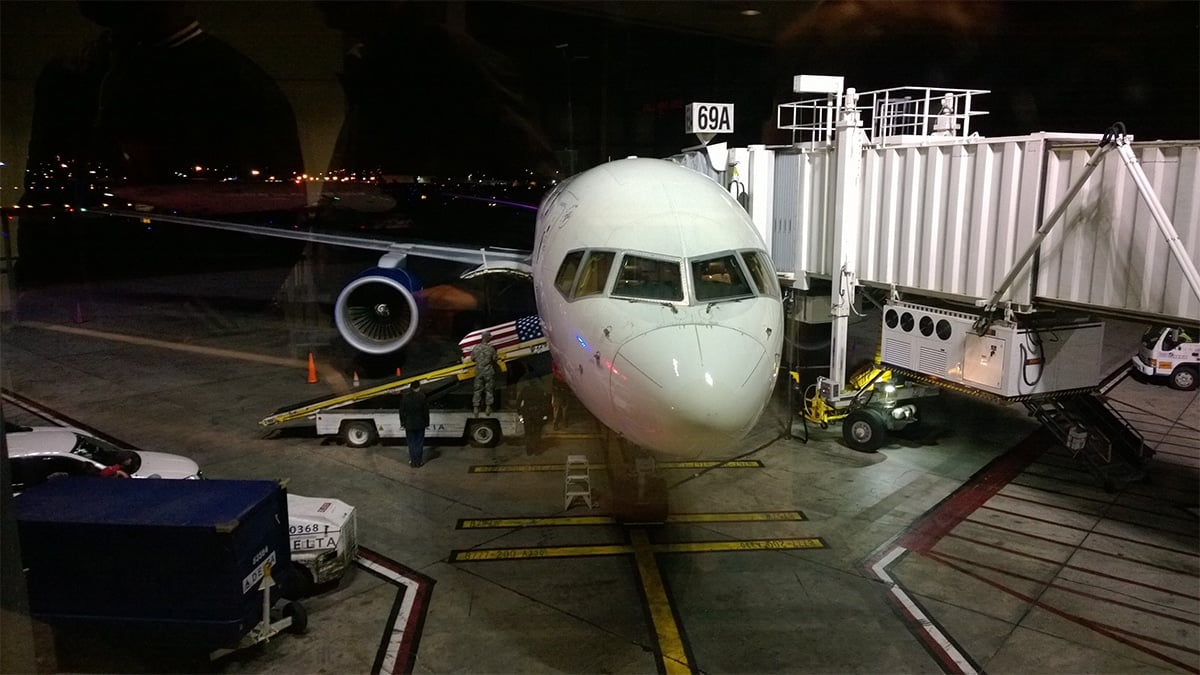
566	273
719	278
648	279
762	273
594	275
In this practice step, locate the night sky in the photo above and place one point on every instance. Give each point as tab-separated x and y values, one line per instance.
486	86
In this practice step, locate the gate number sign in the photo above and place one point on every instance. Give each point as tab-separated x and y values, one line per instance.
712	118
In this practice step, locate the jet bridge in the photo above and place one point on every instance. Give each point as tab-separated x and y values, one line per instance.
895	189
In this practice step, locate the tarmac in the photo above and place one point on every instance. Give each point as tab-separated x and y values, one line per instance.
973	543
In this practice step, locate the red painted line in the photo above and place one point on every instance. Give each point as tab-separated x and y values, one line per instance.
1083	529
1036	488
404	655
1079	568
1066	589
1093	532
927	641
1019	514
1103	629
980	488
1099	513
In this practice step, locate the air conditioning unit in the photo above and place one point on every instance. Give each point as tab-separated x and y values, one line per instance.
1009	360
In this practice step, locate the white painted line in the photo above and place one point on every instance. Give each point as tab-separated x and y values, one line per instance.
918	617
400	626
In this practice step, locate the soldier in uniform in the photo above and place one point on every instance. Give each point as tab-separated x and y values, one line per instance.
484	355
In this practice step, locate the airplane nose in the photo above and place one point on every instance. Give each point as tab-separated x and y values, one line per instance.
685	389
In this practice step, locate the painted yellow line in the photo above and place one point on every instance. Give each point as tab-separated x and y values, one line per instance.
486	523
164	344
751	517
570	436
676	518
743	545
334	379
731	464
492	554
666	632
520	468
533	468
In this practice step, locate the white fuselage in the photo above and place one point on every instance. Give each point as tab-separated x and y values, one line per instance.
660	304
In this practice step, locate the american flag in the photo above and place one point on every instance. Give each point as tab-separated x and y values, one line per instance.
504	335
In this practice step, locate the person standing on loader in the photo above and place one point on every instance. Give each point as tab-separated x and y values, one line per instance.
485	357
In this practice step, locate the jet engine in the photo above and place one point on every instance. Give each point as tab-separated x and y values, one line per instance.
377	312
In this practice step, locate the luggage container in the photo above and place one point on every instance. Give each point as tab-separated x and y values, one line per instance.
188	561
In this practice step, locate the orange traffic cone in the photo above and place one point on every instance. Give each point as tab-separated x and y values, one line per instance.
79	313
312	369
356	378
398	374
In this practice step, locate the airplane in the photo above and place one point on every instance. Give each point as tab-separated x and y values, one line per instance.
658	299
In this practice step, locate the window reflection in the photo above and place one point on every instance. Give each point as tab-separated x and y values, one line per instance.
762	273
719	279
648	279
566	273
594	276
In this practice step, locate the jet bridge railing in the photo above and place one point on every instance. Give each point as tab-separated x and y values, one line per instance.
890	116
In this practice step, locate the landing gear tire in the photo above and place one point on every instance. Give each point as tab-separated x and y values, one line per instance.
864	430
1184	378
359	434
483	433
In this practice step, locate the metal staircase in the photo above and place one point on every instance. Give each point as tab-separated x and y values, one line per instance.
1096	434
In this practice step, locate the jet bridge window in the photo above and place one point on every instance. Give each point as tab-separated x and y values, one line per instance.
719	278
593	276
762	273
648	279
565	279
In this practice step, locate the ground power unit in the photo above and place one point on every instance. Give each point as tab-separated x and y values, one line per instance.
1013	360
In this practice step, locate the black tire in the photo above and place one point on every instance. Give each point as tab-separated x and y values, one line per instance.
298	583
1184	378
483	433
359	433
864	430
299	617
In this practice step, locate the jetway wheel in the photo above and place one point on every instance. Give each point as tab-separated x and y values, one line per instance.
483	433
864	430
359	433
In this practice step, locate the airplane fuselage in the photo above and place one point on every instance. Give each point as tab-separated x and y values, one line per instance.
659	303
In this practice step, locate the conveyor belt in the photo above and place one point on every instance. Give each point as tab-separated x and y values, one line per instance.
461	371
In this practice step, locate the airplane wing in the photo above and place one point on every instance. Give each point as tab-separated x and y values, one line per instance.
488	257
378	311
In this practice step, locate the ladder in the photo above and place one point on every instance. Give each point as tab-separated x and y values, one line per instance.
461	371
1095	433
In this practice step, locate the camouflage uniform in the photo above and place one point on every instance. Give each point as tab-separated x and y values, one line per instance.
484	355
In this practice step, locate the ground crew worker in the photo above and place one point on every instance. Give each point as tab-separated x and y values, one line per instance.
414	413
560	397
485	357
534	407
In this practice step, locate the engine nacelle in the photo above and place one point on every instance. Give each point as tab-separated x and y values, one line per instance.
377	312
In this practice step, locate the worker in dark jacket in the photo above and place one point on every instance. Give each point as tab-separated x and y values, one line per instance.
534	407
414	413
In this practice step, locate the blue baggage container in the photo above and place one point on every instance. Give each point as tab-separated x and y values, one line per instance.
169	558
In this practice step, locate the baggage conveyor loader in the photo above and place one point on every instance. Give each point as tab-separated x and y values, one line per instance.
460	371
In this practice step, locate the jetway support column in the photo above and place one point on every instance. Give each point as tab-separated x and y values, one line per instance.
847	209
